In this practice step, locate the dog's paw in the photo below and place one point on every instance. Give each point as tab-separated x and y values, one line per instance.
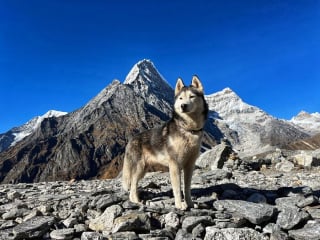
134	199
182	206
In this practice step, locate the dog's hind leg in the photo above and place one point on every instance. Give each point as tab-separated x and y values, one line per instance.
136	175
126	172
175	176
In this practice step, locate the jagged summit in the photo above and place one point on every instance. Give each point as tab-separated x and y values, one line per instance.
145	70
149	83
228	90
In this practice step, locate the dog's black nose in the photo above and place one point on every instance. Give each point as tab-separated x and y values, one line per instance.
184	107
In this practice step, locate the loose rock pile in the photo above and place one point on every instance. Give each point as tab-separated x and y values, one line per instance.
230	205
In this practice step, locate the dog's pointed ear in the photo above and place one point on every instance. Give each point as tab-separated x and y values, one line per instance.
179	86
196	83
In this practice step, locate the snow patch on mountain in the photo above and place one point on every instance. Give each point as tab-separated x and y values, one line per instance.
29	127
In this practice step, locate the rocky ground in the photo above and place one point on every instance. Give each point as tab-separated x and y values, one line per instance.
231	204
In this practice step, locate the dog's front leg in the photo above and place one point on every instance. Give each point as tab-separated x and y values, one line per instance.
188	170
175	176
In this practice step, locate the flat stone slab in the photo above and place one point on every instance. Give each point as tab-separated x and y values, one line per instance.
33	228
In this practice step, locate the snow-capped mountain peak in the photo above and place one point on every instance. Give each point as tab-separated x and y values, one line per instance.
303	115
29	127
52	113
308	122
149	84
227	103
16	134
146	71
250	129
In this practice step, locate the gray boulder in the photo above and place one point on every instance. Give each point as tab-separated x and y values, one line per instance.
216	157
256	213
33	228
105	221
135	221
290	217
310	231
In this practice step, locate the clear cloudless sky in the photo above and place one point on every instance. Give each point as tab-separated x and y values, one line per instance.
58	54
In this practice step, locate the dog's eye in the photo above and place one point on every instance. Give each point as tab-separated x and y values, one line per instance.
192	96
180	98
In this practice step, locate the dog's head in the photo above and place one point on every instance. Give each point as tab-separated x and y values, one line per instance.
189	99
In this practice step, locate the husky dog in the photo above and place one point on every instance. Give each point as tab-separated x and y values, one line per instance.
176	144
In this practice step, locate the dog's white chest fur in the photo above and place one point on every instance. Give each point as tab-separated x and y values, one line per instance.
185	147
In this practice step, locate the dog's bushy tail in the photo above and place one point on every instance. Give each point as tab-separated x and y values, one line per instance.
126	173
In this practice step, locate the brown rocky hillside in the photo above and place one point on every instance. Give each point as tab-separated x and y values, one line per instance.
311	143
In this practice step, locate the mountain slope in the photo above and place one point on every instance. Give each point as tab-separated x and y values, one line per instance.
90	141
16	134
87	142
80	145
311	143
254	129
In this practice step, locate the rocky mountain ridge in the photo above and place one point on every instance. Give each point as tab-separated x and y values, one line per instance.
90	141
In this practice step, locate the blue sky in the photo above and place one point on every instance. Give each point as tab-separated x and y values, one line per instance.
58	54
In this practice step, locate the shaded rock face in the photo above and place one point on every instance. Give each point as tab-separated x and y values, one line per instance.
6	140
240	205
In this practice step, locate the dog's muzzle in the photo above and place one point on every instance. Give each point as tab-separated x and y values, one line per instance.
184	107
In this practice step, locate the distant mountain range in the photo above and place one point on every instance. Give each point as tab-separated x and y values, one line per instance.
90	141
